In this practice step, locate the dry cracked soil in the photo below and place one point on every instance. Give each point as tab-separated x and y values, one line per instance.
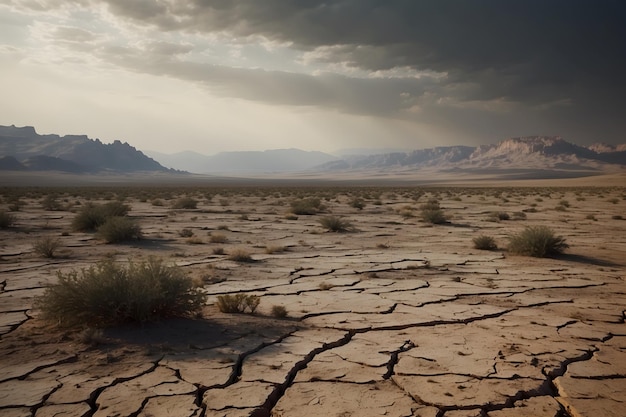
397	317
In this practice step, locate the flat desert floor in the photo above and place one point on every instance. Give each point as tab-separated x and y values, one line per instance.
397	317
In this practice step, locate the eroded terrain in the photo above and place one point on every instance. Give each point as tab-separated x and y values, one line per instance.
396	318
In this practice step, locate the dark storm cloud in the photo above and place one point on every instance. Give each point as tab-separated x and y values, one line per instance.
543	43
558	63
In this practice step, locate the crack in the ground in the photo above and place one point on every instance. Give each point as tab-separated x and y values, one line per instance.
279	390
393	360
237	370
93	397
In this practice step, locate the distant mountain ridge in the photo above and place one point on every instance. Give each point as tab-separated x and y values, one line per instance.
523	153
244	162
70	153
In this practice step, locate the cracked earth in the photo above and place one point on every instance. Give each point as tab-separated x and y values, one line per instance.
397	318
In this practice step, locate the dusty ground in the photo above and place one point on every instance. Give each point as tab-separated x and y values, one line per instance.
397	318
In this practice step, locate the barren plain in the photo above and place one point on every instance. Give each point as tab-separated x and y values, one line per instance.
397	317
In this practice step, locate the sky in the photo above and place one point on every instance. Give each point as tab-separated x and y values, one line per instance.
228	75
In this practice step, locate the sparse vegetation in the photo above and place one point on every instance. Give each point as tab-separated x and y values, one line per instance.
187	203
275	249
431	213
109	294
306	206
50	203
46	246
336	224
186	232
92	216
240	255
499	216
218	238
6	219
119	229
279	311
238	303
484	242
537	241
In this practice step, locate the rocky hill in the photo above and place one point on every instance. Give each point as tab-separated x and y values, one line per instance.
22	148
536	153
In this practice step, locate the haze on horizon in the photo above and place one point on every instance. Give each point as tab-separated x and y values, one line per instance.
225	75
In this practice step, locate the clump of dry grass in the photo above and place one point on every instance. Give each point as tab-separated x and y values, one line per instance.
279	311
537	241
238	303
218	238
484	242
336	224
275	249
240	255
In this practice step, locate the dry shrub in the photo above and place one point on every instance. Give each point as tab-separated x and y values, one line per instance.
336	224
483	242
537	241
92	216
119	229
240	255
218	238
46	246
279	311
238	303
6	219
108	294
307	206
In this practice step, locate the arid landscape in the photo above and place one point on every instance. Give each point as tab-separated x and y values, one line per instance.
393	316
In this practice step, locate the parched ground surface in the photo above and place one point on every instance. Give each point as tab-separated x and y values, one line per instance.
396	318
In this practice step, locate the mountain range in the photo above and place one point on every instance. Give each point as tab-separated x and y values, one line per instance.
530	154
244	162
23	149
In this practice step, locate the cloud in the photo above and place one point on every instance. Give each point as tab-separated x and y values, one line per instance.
530	63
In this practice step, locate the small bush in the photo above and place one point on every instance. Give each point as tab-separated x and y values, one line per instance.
240	255
47	246
483	242
357	203
431	212
185	203
218	238
336	224
119	229
500	215
279	311
92	216
218	251
433	216
108	294
306	206
186	232
50	203
537	241
238	303
6	219
617	217
157	203
275	249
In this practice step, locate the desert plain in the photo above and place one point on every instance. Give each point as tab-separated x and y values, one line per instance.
395	317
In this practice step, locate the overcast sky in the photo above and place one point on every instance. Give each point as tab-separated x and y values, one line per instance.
217	75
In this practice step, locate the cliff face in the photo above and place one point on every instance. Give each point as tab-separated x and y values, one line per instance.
71	153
